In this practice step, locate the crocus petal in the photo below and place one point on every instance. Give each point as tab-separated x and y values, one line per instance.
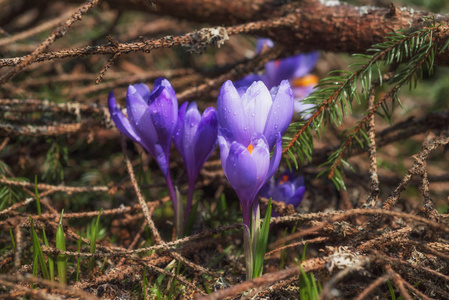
257	103
299	181
305	63
276	158
301	92
120	120
298	196
280	114
161	156
177	135
290	67
206	136
265	190
143	90
224	144
164	112
246	81
168	89
140	119
261	156
231	114
262	43
241	171
282	193
191	120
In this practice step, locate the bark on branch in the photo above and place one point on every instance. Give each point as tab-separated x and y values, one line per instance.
306	26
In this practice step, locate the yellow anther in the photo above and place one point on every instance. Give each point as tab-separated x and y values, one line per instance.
305	81
250	148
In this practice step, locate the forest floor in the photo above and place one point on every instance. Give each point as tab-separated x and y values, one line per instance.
386	235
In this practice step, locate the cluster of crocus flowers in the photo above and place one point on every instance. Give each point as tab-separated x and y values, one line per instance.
153	121
296	69
288	188
250	126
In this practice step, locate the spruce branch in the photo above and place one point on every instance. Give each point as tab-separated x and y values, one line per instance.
405	52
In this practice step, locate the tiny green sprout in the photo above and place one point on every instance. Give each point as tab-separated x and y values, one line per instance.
261	243
309	288
283	254
12	239
93	242
78	243
61	260
37	250
38	201
51	262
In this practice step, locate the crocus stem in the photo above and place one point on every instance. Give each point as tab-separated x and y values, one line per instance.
171	190
248	252
179	219
189	198
246	215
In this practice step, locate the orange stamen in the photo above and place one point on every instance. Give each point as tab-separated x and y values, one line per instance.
277	63
250	148
284	179
305	81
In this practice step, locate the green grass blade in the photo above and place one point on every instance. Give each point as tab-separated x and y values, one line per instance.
61	260
38	250
93	242
262	242
12	239
51	262
78	242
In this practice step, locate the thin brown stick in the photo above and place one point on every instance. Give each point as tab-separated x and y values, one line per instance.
266	280
150	222
110	62
58	33
126	252
416	291
417	168
35	30
311	241
4	143
58	188
66	290
374	187
372	286
399	282
19	247
16	206
142	203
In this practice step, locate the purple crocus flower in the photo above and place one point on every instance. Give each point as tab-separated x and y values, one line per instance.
151	121
249	127
296	69
195	138
289	189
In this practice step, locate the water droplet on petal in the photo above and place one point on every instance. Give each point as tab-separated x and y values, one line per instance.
253	115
